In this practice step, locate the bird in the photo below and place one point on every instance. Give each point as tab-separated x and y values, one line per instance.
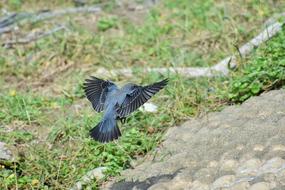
116	103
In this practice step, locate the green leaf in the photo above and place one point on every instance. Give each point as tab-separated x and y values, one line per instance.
255	88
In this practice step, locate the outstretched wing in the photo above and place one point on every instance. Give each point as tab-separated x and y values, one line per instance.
96	91
138	96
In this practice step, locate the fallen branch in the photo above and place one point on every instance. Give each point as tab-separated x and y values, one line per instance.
274	19
221	68
31	38
265	35
57	13
5	30
13	18
7	22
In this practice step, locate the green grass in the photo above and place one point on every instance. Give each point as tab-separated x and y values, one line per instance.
47	121
263	71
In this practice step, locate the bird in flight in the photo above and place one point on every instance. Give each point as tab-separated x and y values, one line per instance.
117	103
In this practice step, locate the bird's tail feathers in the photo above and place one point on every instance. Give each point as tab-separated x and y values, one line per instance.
105	131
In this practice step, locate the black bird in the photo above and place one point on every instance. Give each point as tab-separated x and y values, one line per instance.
116	103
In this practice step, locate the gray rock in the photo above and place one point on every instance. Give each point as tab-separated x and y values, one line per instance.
5	154
197	185
240	186
258	147
229	165
159	186
224	181
249	167
260	186
240	146
272	166
281	177
97	173
278	147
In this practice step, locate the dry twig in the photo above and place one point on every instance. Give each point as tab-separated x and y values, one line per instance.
221	68
7	22
30	38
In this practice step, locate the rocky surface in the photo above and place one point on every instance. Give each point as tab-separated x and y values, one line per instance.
5	154
239	148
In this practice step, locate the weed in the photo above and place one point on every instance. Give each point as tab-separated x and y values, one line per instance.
106	23
265	70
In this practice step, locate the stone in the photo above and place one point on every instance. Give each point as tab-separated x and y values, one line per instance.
183	176
223	181
240	147
249	167
159	186
229	165
240	186
229	149
212	164
173	184
258	147
5	153
278	147
197	185
281	176
272	184
272	166
181	181
205	175
260	186
96	173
